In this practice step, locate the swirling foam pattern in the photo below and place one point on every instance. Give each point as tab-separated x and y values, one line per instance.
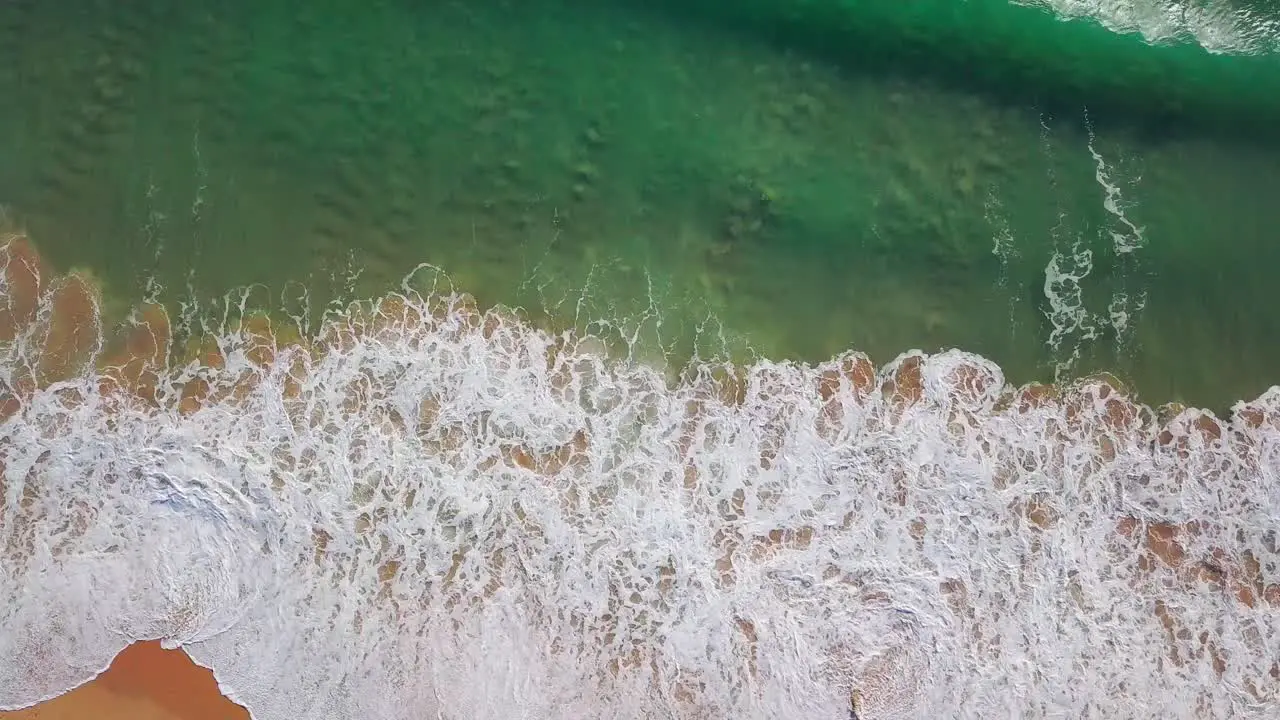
423	510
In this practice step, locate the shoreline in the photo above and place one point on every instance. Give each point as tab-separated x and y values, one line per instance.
143	682
134	369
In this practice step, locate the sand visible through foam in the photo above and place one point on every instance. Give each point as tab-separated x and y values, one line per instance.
423	508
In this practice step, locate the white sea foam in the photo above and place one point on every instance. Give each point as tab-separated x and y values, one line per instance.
471	518
1075	326
1071	263
1127	238
1219	26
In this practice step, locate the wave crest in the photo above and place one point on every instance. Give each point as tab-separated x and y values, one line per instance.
1219	26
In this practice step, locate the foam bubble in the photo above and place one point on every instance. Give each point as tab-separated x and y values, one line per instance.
426	510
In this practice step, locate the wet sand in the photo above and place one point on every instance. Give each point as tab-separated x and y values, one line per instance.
144	682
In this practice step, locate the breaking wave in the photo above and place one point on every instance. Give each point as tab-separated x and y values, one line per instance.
425	510
1220	26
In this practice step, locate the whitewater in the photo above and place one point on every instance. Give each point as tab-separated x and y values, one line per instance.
420	509
1219	26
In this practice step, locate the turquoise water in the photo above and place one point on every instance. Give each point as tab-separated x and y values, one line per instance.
813	177
438	514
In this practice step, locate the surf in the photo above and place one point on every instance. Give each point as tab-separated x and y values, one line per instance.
1155	65
424	508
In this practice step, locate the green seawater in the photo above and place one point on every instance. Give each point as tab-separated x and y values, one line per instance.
757	178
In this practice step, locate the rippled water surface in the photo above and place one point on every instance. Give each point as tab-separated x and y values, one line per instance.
598	161
758	440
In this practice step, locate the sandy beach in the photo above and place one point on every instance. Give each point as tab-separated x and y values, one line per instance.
144	682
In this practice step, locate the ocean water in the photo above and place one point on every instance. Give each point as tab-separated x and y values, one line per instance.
758	440
1048	194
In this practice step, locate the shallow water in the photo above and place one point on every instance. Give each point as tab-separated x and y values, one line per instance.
423	510
408	507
